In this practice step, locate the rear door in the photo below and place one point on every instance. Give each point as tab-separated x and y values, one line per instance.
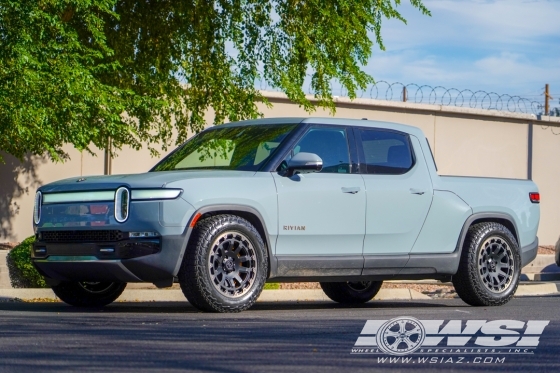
399	194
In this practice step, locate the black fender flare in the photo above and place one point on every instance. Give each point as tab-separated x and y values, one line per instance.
486	216
230	209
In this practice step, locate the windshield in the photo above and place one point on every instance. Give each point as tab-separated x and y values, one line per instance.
243	148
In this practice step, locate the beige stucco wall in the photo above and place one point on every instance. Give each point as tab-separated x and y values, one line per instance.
465	142
546	173
19	181
468	147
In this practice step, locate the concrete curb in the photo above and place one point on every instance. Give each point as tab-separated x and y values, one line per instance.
537	289
172	295
300	295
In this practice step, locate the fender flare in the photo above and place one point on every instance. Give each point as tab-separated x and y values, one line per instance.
230	208
485	216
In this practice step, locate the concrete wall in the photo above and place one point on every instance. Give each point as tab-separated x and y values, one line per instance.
469	142
546	173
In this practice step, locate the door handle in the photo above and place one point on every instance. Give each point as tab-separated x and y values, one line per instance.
417	191
351	190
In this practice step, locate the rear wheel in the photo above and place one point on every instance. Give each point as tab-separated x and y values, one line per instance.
88	294
351	292
490	266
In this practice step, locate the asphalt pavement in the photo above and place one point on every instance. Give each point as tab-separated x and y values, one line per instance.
318	336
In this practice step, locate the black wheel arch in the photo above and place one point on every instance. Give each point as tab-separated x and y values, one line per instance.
248	213
494	217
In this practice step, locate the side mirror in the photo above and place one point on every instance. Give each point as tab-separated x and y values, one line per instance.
304	163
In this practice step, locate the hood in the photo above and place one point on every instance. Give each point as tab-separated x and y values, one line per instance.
135	181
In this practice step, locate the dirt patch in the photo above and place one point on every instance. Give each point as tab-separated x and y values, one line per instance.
546	250
300	285
40	300
432	290
8	245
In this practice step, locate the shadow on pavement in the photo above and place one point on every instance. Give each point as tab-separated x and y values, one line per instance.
185	307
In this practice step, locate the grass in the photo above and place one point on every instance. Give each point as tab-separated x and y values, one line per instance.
271	286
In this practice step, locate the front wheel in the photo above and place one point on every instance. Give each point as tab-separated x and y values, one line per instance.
490	266
351	292
88	294
225	265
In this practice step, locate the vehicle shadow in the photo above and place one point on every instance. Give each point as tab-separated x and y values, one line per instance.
8	304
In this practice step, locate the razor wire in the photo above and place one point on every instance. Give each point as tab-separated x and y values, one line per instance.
438	95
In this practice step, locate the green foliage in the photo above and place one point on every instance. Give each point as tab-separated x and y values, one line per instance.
22	272
271	286
80	71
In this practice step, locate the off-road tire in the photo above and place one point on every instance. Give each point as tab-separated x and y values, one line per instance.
195	278
99	294
469	283
350	292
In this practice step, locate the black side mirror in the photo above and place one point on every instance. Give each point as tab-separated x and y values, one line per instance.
304	163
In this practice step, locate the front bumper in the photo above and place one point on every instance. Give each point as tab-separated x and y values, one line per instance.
82	242
129	260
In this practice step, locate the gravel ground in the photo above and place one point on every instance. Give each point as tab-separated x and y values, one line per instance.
432	290
547	250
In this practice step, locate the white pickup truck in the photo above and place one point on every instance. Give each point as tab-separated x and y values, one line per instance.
347	203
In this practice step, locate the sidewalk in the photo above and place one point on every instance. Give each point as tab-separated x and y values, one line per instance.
295	295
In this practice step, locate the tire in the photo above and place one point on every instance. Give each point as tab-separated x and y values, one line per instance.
210	274
351	292
89	294
490	266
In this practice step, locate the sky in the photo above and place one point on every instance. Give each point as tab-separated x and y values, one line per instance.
503	46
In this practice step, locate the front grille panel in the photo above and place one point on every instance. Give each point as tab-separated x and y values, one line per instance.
82	236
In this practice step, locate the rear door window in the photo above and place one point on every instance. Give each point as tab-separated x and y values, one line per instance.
385	152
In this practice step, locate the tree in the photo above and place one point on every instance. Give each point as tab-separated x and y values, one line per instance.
81	71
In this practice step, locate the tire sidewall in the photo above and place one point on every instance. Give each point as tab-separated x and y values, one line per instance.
366	294
208	237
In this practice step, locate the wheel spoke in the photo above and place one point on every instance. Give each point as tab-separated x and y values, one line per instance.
395	344
496	278
502	255
416	330
231	263
409	343
402	326
390	333
244	259
502	266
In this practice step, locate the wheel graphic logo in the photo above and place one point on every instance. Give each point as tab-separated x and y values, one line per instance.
401	336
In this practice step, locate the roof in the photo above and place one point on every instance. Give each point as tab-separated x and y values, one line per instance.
332	121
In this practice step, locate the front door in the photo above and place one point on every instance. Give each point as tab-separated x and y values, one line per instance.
321	215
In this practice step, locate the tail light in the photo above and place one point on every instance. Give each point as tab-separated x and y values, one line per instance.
122	202
535	197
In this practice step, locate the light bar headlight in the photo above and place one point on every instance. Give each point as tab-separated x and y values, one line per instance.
152	194
37	207
122	203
